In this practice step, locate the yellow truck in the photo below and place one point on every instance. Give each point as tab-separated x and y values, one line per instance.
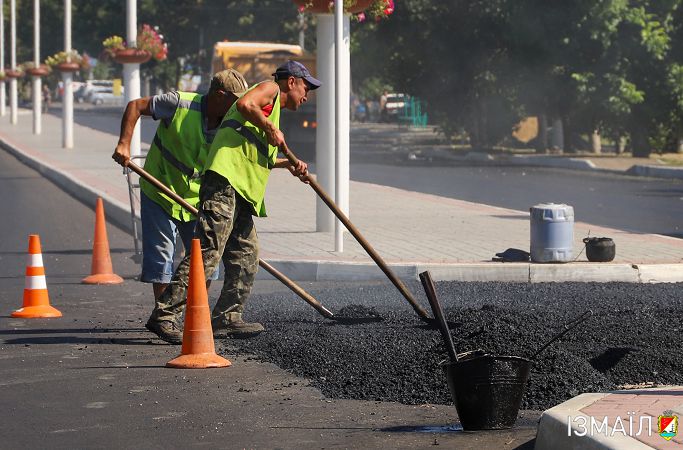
257	61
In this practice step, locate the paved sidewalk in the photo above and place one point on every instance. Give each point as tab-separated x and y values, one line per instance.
570	424
457	242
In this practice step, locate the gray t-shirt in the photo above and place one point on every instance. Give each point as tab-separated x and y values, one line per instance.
163	107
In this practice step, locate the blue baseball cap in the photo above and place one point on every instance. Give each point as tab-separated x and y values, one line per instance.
297	70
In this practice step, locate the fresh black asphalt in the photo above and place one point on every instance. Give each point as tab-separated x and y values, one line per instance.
632	338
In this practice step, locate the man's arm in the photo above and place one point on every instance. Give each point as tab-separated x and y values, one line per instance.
250	105
135	109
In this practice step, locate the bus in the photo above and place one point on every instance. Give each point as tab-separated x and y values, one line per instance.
257	61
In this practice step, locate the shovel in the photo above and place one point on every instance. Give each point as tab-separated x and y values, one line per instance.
298	290
361	240
430	290
567	328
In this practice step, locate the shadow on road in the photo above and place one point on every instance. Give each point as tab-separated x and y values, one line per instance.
71	330
77	340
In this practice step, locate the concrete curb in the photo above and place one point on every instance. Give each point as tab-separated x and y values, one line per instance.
554	434
563	163
325	270
656	171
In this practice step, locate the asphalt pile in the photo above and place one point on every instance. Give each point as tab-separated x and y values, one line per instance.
633	338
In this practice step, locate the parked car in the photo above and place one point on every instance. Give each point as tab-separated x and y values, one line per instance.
395	105
84	93
105	96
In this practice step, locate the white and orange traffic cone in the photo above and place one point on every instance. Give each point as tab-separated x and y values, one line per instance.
101	271
198	351
36	300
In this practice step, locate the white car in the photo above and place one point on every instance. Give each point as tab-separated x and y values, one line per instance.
105	96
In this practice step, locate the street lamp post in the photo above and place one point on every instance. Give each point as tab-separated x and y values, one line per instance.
14	116
342	68
37	84
67	77
332	115
131	72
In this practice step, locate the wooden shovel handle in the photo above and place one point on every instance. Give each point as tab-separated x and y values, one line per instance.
298	290
356	234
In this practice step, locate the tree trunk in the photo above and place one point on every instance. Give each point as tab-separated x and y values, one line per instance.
596	143
557	136
639	145
542	137
621	144
474	131
679	148
484	126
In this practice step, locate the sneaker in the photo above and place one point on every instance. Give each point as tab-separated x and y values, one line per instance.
166	330
234	327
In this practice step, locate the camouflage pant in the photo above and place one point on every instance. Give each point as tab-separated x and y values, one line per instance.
225	228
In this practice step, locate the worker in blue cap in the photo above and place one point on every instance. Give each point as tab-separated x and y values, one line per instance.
232	191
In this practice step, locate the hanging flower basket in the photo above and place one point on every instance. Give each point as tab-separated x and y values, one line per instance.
63	62
9	73
150	44
68	67
327	6
39	71
132	56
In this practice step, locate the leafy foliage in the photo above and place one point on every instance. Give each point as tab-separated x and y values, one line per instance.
607	65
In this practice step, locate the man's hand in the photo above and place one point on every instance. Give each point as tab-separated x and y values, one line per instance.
275	136
300	170
122	154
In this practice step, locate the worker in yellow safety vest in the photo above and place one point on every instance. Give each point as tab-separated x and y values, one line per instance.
233	186
188	125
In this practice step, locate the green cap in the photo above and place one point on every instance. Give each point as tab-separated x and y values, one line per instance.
229	80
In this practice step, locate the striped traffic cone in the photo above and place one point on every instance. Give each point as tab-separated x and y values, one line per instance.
36	300
101	271
198	350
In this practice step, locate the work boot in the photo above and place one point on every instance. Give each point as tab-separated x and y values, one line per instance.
166	330
234	327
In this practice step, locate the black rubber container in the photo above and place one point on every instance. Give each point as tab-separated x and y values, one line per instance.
600	249
487	390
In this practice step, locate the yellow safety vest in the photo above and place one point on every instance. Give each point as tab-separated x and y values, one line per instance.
177	156
240	152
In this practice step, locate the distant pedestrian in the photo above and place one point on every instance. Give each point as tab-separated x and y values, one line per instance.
189	122
233	187
361	112
383	114
47	100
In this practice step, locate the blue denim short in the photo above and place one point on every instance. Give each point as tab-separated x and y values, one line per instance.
159	236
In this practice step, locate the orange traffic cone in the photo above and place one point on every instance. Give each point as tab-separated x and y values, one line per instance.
198	351
101	271
36	300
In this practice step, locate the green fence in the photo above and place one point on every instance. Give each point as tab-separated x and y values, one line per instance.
413	113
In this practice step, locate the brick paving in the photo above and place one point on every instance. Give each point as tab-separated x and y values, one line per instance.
637	404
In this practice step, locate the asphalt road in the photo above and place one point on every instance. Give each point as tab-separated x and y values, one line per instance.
638	204
96	379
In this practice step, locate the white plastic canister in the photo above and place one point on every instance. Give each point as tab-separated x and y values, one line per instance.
552	232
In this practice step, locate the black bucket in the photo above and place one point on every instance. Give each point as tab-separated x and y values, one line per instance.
600	249
487	390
